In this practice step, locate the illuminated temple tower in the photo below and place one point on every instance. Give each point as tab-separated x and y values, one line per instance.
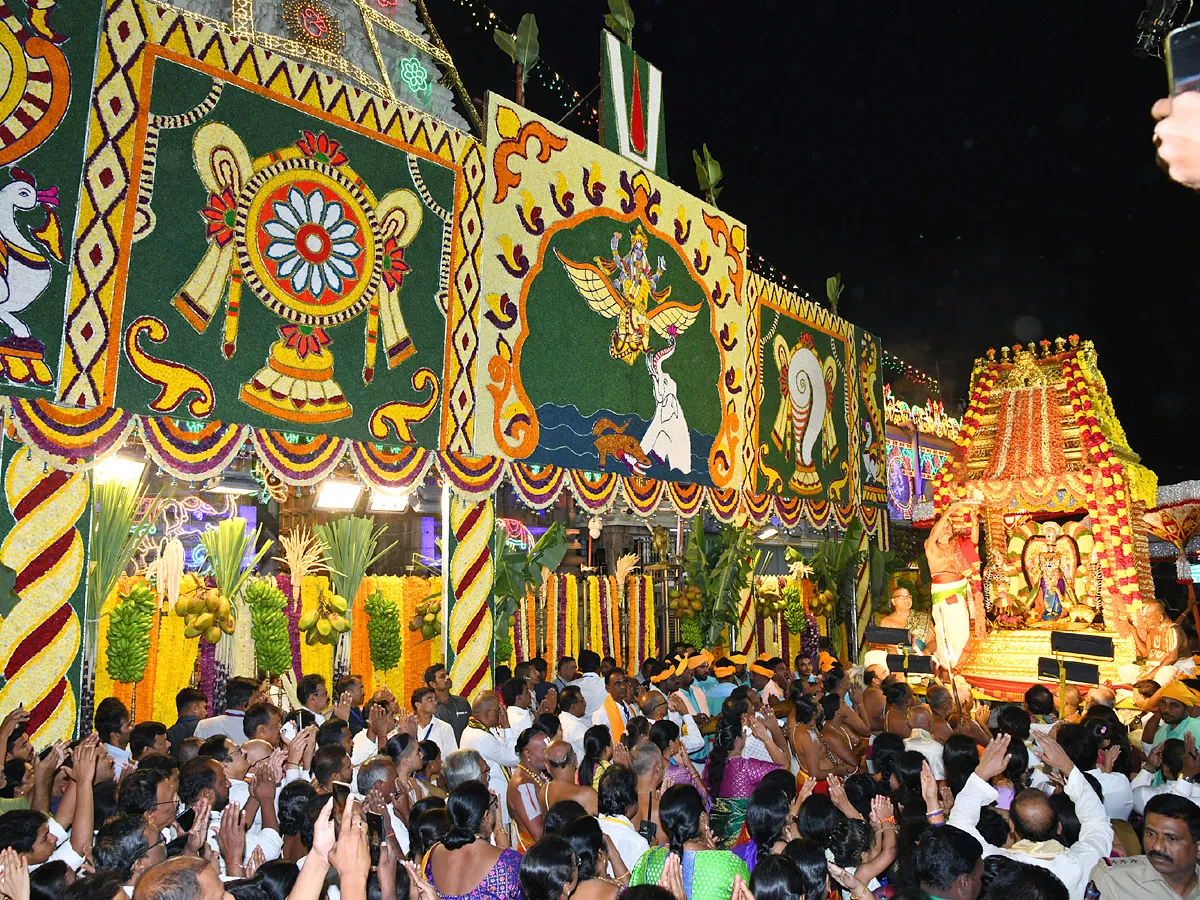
384	45
1060	491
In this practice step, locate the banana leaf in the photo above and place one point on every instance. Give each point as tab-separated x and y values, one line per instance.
517	572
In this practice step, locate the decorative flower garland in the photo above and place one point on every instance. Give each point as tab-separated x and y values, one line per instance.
641	639
603	627
174	669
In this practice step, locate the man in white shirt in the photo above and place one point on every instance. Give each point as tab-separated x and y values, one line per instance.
920	718
567	673
204	779
488	734
429	726
616	709
1033	821
240	693
590	683
571	708
114	727
618	803
313	695
371	741
516	696
1180	767
658	707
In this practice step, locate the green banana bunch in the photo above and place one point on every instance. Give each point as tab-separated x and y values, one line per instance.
504	649
793	610
326	623
129	635
383	631
269	626
691	632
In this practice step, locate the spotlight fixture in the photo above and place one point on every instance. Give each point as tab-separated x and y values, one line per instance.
389	501
768	532
336	494
238	484
122	469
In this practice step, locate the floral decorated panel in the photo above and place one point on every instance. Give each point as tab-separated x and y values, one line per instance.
616	329
262	244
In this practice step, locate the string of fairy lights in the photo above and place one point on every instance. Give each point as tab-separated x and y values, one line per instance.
556	85
895	365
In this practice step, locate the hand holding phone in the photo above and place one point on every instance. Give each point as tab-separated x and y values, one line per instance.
1183	59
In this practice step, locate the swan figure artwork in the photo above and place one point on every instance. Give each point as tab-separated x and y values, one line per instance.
25	271
668	437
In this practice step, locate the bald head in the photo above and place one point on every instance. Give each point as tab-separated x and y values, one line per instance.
880	672
256	751
644	759
1033	817
173	879
559	756
485	702
1102	696
1070	696
940	700
921	716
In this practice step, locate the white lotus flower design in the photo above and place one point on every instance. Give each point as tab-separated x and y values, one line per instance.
312	242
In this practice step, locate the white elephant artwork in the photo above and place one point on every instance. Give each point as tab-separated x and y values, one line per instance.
667	438
804	418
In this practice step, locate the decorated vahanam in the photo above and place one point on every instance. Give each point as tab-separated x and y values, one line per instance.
615	333
820	425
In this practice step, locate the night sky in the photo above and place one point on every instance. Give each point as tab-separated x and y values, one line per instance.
980	176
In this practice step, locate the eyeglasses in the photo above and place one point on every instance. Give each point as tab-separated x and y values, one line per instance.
160	842
174	801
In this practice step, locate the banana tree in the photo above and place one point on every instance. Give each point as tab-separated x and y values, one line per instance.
721	568
519	573
835	566
522	48
833	291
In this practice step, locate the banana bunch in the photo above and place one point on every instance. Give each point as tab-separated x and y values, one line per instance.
327	622
383	631
793	607
768	600
686	602
129	634
428	615
690	632
823	603
203	610
269	626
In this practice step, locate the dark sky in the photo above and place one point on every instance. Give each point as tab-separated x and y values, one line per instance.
979	174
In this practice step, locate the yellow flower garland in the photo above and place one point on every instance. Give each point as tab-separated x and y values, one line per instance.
573	613
174	665
595	634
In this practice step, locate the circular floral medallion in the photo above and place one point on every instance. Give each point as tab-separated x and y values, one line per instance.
309	248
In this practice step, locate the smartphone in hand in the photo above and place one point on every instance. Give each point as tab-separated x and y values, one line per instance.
1183	59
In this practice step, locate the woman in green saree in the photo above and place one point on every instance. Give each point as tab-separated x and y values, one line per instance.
708	873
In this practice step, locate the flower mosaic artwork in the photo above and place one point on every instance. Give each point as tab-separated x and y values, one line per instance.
313	243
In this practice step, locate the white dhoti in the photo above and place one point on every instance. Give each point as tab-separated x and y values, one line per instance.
952	619
1132	673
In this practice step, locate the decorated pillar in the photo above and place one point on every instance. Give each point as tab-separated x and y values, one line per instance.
862	593
40	634
469	637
